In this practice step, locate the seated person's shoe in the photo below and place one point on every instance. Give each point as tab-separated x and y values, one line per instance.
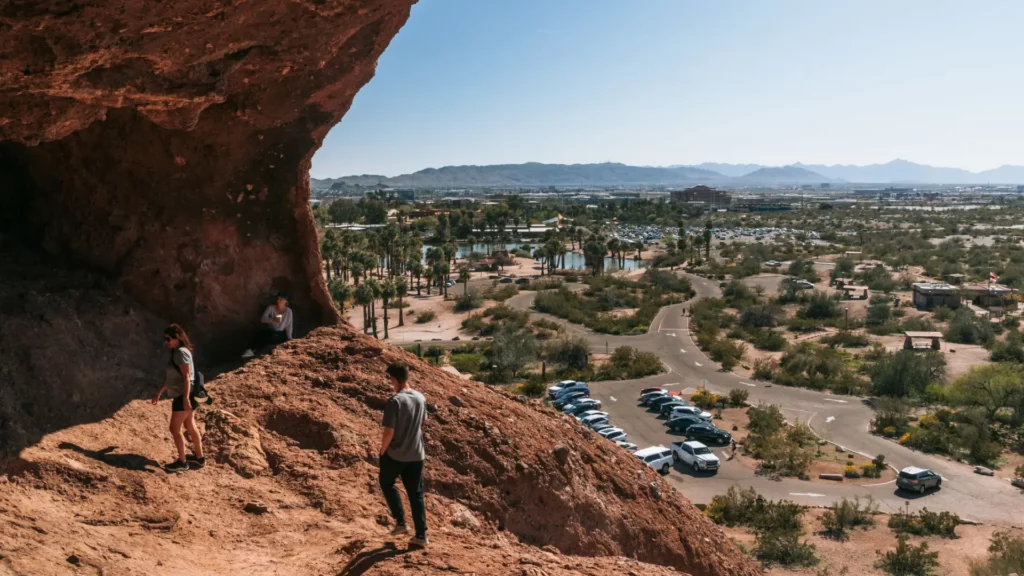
248	354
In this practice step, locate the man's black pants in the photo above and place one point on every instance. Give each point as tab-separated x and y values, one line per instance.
267	337
412	478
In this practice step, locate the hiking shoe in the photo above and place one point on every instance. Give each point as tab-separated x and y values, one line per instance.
248	354
400	530
195	463
418	542
176	466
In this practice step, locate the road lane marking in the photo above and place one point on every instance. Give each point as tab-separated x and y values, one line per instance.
612	398
808	494
698	364
671	335
829	419
689	390
751	384
833	400
682	351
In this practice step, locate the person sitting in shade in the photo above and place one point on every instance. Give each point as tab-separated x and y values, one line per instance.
277	326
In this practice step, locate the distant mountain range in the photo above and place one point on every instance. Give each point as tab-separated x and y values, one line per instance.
533	174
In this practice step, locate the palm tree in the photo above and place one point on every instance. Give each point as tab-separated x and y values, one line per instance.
401	290
387	292
364	297
639	247
416	269
441	271
376	289
593	255
464	277
707	240
428	275
697	242
340	292
613	247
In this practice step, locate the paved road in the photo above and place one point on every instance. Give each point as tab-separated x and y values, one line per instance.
841	419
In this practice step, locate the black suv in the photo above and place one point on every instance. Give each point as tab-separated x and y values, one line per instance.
708	434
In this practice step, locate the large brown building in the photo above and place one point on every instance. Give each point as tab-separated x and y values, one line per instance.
703	194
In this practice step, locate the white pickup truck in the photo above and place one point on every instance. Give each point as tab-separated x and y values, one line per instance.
697	455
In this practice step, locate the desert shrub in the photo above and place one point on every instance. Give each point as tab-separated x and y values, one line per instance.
764	339
733	508
467	363
850	471
738	397
726	352
738	295
965	328
546	324
803	325
765	420
1005	556
925	523
760	316
547	283
704	399
474	323
764	368
907	560
907	373
784	548
845	339
942	313
869	470
532	388
502	292
917	325
468	301
879	311
571	352
627	363
846	514
820	305
425	316
891	413
1010	350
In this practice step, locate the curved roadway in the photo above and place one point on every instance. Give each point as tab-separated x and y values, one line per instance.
843	420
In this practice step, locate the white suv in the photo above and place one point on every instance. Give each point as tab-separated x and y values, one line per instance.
565	386
657	457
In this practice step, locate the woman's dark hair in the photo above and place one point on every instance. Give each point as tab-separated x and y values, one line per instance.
178	333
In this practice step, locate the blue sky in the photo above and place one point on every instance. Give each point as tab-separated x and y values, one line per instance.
658	82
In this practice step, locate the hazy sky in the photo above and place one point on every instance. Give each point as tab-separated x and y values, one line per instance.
658	82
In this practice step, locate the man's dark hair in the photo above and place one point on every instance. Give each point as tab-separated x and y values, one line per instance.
399	372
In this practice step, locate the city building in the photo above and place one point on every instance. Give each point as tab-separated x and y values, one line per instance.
703	194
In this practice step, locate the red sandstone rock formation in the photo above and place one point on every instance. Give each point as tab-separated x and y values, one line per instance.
513	487
168	143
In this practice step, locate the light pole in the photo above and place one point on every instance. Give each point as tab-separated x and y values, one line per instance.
847	324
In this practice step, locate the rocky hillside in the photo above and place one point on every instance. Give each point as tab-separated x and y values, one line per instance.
513	487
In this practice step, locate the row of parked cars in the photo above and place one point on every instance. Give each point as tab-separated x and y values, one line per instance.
573	398
682	416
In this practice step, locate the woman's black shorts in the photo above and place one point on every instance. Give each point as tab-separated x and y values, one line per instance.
178	404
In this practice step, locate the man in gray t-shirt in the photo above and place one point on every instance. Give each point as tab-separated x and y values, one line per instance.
401	454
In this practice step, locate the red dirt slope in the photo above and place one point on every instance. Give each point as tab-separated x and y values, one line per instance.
513	488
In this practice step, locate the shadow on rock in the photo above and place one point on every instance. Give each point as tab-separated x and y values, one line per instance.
363	561
126	461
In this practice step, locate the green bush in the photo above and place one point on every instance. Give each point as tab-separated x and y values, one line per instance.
942	313
468	301
785	549
907	560
572	352
1005	556
869	470
846	340
850	471
425	316
738	397
925	523
819	305
467	363
502	292
628	363
548	325
846	514
473	324
532	388
965	328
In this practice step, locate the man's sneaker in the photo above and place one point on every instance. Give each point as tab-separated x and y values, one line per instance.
418	542
248	354
176	466
400	530
195	463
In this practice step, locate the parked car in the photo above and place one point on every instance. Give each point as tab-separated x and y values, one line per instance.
570	397
646	398
614	434
773	263
595	419
565	386
684	421
649	390
586	413
657	457
601	426
580	405
708	433
522	281
696	455
691	410
627	446
668	407
918	479
660	401
506	280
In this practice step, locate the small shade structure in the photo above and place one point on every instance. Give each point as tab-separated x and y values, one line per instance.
909	337
851	292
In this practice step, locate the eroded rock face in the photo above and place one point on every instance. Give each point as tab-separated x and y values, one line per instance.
167	144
